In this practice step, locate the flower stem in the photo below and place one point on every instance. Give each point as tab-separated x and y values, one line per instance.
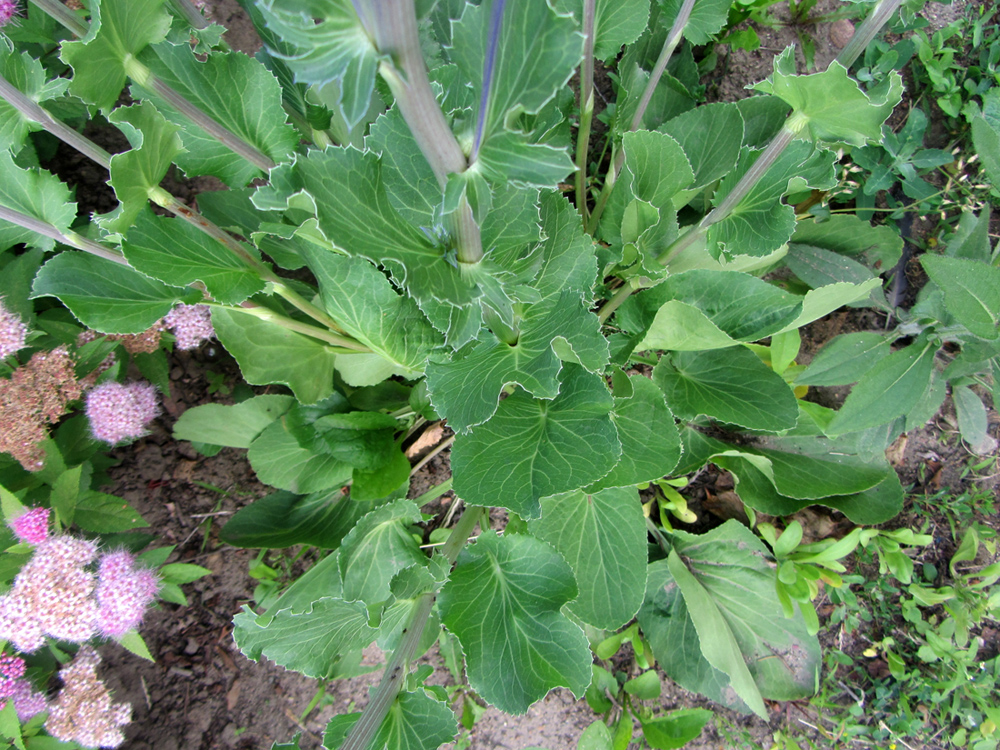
67	238
362	733
347	345
586	108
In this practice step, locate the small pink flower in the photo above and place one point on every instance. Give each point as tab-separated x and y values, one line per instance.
8	10
123	593
11	667
28	702
191	325
13	332
32	527
120	412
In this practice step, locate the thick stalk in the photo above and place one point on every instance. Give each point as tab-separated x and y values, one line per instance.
395	35
67	238
191	14
868	31
586	108
669	45
362	733
62	15
345	345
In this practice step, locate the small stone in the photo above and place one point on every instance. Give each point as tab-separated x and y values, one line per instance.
841	32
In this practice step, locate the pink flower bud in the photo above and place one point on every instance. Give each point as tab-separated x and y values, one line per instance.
32	527
13	332
8	10
191	325
123	593
11	667
120	412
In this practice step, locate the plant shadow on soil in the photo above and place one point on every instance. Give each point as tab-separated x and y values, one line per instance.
202	694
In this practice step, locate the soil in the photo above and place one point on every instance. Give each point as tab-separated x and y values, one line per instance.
202	694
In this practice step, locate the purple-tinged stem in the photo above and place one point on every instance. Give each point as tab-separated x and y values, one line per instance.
67	238
586	108
496	22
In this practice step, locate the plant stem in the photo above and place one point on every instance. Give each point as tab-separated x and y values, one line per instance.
433	493
426	459
191	14
868	31
618	160
362	733
349	346
586	108
63	15
67	238
403	69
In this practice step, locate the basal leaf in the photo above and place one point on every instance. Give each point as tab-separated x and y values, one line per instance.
532	448
234	426
119	29
818	267
256	116
415	721
731	385
971	291
844	359
602	537
509	156
851	236
107	296
281	462
38	194
409	181
835	107
615	23
678	326
706	19
706	135
312	642
179	254
824	300
25	74
503	603
284	519
268	353
377	548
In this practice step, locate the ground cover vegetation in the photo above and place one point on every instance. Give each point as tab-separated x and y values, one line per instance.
420	229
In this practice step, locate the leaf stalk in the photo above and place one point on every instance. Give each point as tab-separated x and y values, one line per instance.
586	108
67	238
347	345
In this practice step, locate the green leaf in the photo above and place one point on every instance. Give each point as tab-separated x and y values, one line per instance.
971	291
731	385
179	254
235	426
134	643
822	301
10	727
616	22
328	43
678	326
119	30
181	573
25	74
972	420
38	194
760	222
676	728
363	439
312	642
134	173
377	548
388	478
819	267
646	686
283	519
836	108
888	390
986	139
268	353
343	188
707	136
851	236
467	388
650	442
602	537
845	359
365	305
533	448
65	494
107	296
106	514
415	721
508	156
281	462
409	181
707	18
597	736
503	603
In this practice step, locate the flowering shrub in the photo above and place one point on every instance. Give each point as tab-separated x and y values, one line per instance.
121	412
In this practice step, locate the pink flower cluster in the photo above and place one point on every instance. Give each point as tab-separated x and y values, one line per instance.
32	526
83	712
123	593
191	325
120	412
13	332
13	686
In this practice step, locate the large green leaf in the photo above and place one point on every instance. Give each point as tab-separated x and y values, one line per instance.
180	254
971	291
343	187
409	181
107	296
707	135
706	19
281	462
650	441
844	359
415	721
378	547
268	353
602	537
38	194
846	234
616	22
312	642
503	603
731	385
329	43
466	388
25	74
532	448
235	426
119	30
283	519
835	107
256	116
